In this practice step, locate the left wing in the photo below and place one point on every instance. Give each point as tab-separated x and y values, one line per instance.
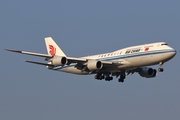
30	53
81	62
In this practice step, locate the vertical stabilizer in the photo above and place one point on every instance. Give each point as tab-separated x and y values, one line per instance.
52	48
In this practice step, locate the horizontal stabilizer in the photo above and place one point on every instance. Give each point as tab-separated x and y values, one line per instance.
39	63
30	53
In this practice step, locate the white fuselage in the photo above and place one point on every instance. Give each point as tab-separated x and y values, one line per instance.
135	56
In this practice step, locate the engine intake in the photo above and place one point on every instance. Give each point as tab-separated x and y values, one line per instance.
148	72
94	65
59	61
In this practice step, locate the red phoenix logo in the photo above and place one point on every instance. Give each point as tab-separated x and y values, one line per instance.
146	49
52	50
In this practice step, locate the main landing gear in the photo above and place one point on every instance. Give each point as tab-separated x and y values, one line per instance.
122	77
108	76
161	68
101	76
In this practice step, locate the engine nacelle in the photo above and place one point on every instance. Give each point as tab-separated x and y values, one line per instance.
148	72
94	65
59	61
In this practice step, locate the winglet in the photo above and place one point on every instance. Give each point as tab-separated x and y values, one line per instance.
52	48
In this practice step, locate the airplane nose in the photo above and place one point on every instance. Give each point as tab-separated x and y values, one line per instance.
174	53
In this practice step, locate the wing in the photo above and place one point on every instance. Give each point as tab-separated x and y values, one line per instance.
81	63
30	53
47	56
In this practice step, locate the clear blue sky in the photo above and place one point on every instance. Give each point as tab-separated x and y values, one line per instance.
31	92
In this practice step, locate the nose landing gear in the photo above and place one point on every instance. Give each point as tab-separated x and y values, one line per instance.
161	68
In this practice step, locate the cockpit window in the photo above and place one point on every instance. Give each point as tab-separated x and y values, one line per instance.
164	44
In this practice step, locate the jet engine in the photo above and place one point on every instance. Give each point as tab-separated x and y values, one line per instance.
94	65
148	72
59	61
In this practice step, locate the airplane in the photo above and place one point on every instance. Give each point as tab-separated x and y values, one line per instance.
119	63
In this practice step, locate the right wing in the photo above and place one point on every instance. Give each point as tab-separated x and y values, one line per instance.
39	63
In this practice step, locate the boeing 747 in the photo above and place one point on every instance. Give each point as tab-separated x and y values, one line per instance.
119	63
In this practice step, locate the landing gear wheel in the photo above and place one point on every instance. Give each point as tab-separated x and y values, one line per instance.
160	69
96	77
99	76
121	79
102	77
108	78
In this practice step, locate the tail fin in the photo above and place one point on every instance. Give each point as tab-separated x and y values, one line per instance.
52	48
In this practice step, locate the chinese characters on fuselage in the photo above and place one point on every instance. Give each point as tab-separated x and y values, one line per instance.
132	51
